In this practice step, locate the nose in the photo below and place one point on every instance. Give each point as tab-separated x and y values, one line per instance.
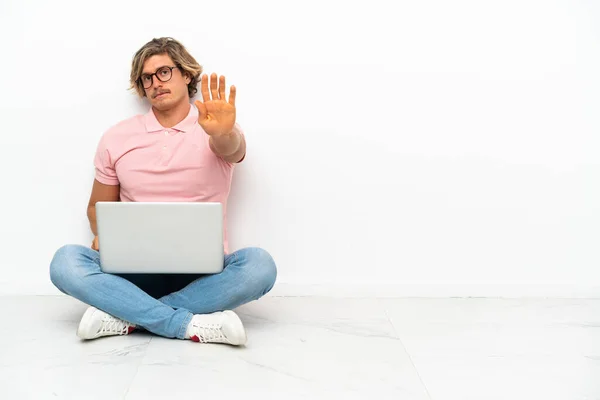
156	83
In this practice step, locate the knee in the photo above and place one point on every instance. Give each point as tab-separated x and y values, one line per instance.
262	270
62	266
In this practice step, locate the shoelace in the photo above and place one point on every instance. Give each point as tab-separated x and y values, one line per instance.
114	325
208	333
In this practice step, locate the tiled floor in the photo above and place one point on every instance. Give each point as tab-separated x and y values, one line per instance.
316	348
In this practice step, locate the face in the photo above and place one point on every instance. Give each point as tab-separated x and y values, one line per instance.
164	95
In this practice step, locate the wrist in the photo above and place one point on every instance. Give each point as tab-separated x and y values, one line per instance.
228	143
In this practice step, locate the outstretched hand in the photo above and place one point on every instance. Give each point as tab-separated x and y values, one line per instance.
217	115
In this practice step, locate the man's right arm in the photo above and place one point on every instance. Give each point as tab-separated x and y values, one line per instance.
100	192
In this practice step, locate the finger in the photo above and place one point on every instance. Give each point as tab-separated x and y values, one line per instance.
204	88
222	88
201	109
213	86
232	93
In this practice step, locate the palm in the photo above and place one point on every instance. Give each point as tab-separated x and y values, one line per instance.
217	115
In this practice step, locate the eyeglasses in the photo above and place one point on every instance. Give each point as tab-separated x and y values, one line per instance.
163	74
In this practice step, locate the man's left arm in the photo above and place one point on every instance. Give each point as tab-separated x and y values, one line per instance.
230	147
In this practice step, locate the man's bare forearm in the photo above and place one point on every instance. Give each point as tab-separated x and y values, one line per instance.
91	213
230	147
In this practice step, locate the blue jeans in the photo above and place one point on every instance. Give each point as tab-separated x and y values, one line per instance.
162	303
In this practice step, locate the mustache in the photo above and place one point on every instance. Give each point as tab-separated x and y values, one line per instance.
160	92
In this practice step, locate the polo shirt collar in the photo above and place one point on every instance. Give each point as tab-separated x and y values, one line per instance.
186	125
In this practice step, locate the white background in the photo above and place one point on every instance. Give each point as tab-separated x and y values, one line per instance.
407	148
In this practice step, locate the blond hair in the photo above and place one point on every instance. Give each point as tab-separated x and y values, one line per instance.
178	53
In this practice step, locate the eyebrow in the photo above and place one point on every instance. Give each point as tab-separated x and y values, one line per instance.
148	73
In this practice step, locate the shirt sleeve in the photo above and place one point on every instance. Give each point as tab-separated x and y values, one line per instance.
104	164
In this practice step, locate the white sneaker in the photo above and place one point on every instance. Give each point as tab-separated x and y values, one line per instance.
96	323
220	327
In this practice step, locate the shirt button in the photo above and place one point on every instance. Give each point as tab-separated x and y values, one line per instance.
166	133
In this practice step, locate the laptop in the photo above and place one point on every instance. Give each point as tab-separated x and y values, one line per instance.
160	237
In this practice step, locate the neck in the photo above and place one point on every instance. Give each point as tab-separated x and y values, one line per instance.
170	118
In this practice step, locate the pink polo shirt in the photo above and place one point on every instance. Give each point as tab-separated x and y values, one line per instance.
153	163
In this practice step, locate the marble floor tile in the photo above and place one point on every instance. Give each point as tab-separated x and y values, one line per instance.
494	327
316	348
42	358
510	377
298	348
502	349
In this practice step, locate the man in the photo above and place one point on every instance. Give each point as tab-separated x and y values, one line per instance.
175	152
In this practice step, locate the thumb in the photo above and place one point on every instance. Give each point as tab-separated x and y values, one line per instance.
201	109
